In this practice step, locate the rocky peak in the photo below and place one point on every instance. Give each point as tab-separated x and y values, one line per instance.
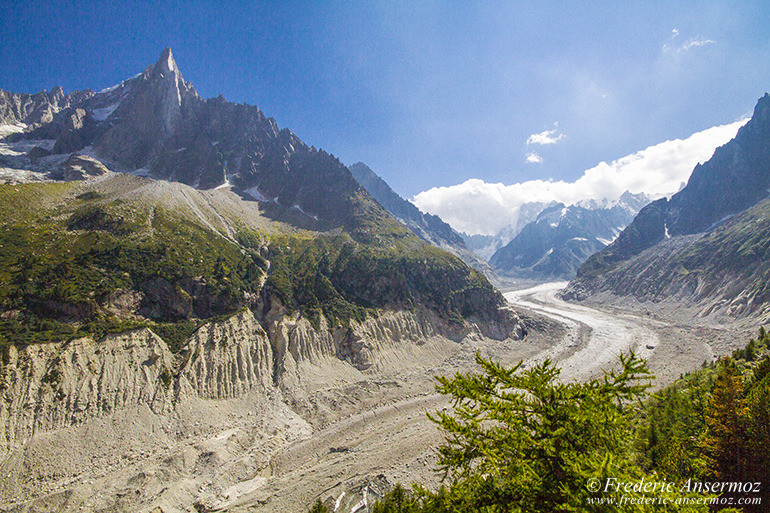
734	179
633	201
166	87
166	63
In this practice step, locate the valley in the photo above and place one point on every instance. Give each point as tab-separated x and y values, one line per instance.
673	340
392	440
201	312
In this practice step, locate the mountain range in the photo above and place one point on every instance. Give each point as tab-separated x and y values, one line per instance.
561	238
486	245
706	244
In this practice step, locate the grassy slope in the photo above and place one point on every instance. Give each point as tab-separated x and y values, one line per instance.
67	250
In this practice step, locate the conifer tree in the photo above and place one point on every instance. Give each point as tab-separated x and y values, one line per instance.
726	417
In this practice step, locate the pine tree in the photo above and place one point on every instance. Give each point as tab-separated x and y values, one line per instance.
757	465
725	423
523	441
318	507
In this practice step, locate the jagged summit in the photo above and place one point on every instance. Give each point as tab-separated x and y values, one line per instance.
707	242
155	124
166	62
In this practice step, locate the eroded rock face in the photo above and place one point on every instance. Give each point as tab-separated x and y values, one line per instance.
228	359
53	386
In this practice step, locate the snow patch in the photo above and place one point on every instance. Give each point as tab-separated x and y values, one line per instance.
665	230
6	130
254	193
22	147
10	175
112	88
226	184
579	238
309	215
103	113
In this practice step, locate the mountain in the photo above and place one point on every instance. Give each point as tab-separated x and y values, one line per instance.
173	268
725	270
561	238
486	245
157	125
428	227
671	232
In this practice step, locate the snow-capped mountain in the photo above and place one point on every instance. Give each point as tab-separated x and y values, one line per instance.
563	237
486	245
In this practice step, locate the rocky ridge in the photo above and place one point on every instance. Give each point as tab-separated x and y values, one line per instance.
428	227
155	124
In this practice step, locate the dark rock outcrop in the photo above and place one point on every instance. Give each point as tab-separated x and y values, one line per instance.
80	167
736	177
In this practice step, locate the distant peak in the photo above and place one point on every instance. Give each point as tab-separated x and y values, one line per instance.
166	62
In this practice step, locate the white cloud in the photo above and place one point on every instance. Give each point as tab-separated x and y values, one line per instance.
545	137
479	207
694	43
533	158
672	45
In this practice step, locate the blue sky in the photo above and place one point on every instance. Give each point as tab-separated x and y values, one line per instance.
427	93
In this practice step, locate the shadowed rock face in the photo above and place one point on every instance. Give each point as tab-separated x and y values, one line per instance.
427	226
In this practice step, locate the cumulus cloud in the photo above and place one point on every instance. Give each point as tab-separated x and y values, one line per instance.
533	158
477	207
672	45
545	137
